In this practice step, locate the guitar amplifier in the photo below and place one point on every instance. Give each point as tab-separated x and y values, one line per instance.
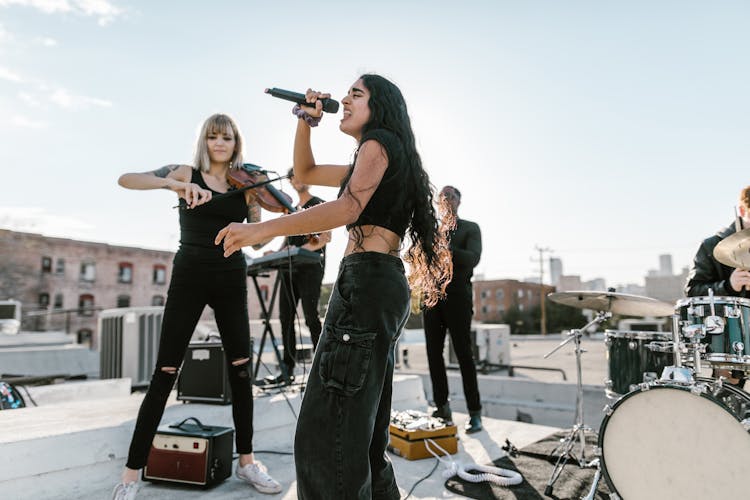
204	377
190	454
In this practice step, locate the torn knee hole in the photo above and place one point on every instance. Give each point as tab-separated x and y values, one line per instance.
240	366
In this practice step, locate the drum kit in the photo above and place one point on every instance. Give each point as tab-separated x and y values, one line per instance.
671	431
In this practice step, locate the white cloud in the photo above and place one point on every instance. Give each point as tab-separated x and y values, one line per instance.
25	122
104	11
45	41
39	220
66	100
10	75
29	99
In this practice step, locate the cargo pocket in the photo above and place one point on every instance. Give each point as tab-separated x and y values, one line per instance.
345	359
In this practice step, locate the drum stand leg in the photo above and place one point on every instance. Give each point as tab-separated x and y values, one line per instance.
578	432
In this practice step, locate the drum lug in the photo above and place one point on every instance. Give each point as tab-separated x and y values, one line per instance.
731	312
632	345
698	389
607	410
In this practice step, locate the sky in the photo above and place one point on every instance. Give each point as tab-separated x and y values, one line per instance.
608	132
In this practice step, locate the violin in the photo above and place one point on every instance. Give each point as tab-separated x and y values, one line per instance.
252	177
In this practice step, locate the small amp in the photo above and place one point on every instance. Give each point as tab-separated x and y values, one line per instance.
190	454
203	376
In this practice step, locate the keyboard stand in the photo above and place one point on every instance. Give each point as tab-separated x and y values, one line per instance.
267	330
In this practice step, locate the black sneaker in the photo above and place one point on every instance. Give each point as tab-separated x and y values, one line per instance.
474	424
444	412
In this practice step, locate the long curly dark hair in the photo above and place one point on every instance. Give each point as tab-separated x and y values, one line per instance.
428	254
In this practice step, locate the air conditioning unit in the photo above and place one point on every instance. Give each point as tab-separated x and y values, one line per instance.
10	316
128	340
490	345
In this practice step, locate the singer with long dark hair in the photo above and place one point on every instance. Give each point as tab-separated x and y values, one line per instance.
342	431
201	276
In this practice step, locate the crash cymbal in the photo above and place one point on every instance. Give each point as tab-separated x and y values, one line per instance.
734	250
617	303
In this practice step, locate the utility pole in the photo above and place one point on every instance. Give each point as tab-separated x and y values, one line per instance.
542	298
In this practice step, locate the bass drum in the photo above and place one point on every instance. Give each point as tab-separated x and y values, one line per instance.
666	440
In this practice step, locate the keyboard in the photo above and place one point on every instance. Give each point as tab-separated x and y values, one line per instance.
281	259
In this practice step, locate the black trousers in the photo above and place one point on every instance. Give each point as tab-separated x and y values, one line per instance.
342	430
191	289
303	285
453	314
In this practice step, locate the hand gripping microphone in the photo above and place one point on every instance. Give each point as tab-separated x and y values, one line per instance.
329	105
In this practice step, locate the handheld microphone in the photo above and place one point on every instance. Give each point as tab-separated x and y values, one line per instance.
329	105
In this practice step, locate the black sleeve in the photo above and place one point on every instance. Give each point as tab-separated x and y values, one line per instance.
469	253
704	274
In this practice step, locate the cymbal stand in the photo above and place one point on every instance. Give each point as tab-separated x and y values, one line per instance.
578	432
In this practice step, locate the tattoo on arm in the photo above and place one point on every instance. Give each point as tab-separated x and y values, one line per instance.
253	213
164	171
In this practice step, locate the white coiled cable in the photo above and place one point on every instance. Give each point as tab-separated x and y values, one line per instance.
490	474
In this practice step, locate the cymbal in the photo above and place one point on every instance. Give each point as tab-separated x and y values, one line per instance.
734	250
617	303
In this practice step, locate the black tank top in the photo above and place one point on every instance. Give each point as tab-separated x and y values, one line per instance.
200	225
392	204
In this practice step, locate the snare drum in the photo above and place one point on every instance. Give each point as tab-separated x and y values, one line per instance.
670	440
729	349
630	360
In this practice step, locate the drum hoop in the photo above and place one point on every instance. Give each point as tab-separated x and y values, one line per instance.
663	385
718	299
637	334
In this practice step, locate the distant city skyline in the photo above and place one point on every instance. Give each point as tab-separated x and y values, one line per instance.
609	132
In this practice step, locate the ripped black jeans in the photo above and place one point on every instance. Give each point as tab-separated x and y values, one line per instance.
342	430
191	289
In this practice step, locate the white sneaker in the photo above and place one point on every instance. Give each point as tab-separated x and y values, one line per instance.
256	476
125	491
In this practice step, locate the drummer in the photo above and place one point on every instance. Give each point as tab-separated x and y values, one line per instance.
707	272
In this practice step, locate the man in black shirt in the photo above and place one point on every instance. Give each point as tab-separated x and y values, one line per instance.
454	313
707	272
302	282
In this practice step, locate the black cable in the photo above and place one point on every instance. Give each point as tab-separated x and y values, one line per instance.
437	462
235	456
283	393
28	394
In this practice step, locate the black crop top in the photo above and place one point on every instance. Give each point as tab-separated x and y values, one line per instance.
200	225
392	204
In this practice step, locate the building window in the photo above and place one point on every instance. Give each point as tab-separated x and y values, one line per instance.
520	307
264	292
157	300
123	301
46	264
485	309
58	301
60	267
160	274
520	294
86	305
84	336
125	273
484	294
43	300
499	294
88	271
500	308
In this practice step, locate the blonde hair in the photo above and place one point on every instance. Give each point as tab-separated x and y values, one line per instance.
745	198
217	124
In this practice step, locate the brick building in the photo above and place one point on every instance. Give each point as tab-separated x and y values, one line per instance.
493	297
62	283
